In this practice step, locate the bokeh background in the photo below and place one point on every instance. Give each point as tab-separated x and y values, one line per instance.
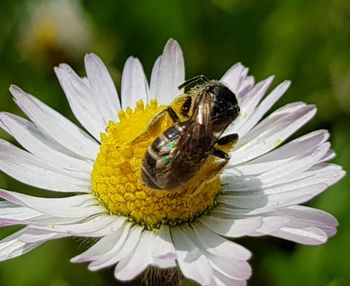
307	42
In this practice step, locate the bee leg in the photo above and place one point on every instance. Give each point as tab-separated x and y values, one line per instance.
174	117
192	81
186	106
220	154
182	105
228	139
211	173
227	142
155	124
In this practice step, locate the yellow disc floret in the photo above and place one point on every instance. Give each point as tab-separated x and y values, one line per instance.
116	176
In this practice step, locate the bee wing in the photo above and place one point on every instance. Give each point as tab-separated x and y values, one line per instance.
198	135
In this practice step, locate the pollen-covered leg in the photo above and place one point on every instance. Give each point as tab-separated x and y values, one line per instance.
182	106
227	142
212	172
155	125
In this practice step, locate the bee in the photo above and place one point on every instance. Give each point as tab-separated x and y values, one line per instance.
180	151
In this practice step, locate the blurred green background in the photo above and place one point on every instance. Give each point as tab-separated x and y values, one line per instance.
307	42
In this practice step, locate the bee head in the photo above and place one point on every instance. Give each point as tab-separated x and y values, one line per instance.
225	107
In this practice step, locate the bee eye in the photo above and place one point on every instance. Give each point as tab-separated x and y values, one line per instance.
224	94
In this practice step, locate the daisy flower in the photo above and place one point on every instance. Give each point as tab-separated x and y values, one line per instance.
54	28
259	192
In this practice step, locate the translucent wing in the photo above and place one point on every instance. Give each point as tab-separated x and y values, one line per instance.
197	138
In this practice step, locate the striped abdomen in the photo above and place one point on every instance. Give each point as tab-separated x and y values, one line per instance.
159	155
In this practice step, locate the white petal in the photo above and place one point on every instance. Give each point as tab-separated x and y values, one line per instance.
104	245
222	280
303	168
234	269
317	217
155	78
74	206
282	154
134	84
328	156
192	262
24	167
319	173
81	100
32	139
268	204
251	186
289	171
296	223
13	214
219	246
167	74
35	236
43	221
272	131
55	125
163	251
263	107
15	245
220	251
270	224
247	104
301	216
252	99
302	171
246	85
307	235
163	262
130	267
287	113
96	226
231	227
122	249
263	202
233	77
102	86
327	175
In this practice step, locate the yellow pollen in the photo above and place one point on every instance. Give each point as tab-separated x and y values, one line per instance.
278	142
116	176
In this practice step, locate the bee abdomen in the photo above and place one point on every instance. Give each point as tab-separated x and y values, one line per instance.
172	132
148	173
159	155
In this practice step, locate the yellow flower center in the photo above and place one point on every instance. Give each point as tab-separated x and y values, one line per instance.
116	176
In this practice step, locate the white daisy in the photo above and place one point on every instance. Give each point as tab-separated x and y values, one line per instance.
258	193
54	28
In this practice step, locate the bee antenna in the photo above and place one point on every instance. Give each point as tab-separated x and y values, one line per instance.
191	82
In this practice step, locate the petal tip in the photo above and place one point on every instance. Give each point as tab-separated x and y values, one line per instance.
16	90
91	58
172	46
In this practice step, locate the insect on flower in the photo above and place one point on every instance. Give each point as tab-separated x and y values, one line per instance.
178	153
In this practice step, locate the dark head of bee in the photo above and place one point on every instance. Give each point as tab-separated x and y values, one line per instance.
225	106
